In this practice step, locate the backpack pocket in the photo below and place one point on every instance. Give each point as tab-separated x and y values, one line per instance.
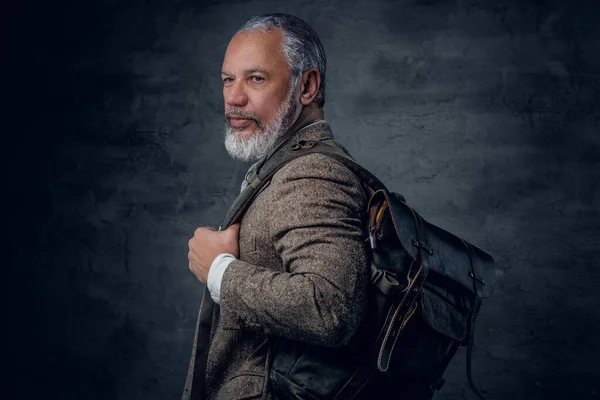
445	311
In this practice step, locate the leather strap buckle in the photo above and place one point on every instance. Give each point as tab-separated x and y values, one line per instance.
304	144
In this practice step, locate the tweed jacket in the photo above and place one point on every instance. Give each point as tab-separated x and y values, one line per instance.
301	272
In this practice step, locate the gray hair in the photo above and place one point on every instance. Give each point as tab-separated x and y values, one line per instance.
301	47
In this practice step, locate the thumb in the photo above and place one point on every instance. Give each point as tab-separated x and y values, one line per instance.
234	229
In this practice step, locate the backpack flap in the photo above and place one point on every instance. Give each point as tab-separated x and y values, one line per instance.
460	276
451	257
448	295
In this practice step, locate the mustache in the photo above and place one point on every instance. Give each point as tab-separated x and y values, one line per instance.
236	112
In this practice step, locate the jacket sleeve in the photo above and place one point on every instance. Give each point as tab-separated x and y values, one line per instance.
316	229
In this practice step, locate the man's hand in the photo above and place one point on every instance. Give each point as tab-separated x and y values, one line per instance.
207	244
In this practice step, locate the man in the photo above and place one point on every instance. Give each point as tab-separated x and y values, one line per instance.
295	267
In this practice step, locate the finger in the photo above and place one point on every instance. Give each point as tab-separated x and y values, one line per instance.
193	246
235	228
201	229
192	257
232	232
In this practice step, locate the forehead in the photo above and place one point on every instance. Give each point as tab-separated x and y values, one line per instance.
256	49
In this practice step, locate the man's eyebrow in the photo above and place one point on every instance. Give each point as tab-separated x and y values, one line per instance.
247	72
256	69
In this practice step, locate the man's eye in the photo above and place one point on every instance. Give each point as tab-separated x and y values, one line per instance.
257	78
227	80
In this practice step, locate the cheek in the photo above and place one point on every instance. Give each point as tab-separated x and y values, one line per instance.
269	105
260	106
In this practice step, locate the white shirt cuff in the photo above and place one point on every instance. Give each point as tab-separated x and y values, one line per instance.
215	275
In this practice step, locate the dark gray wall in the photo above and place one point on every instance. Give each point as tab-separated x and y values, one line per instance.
484	114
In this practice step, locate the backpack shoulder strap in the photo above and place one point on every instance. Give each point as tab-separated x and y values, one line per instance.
284	154
305	147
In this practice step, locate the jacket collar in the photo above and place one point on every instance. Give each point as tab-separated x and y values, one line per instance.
313	130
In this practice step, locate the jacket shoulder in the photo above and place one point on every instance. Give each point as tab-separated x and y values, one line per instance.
316	166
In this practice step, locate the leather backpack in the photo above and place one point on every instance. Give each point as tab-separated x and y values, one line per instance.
425	292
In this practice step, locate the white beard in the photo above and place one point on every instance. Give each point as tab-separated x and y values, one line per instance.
263	139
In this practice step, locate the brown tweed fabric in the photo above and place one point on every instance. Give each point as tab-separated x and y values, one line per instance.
302	271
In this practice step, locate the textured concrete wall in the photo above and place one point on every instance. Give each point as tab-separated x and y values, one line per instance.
484	114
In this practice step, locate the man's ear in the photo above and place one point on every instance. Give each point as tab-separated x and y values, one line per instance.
311	82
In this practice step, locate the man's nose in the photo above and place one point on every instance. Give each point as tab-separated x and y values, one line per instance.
235	95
